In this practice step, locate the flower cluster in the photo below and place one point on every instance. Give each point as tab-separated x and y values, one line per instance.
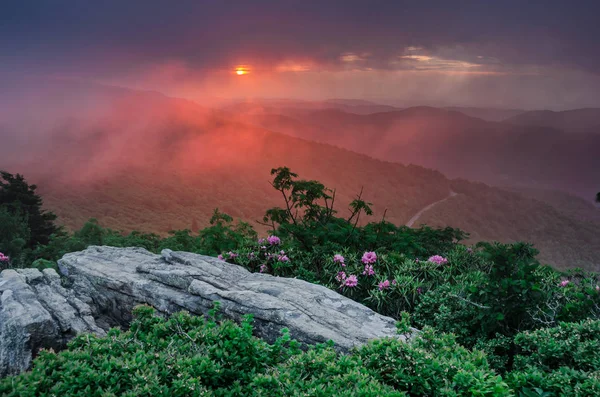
384	285
273	240
265	255
438	260
351	281
369	257
564	283
4	258
341	276
368	270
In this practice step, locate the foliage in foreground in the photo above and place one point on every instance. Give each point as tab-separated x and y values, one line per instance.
192	356
188	355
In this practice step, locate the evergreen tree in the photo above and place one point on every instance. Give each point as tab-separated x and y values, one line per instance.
20	199
14	234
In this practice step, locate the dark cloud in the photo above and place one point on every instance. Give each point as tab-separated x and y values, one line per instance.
213	33
528	53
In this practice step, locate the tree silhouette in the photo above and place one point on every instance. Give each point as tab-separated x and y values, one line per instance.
18	197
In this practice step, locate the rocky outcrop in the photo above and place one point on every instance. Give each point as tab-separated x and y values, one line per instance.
36	311
105	283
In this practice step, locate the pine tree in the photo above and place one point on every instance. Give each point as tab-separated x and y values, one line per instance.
19	198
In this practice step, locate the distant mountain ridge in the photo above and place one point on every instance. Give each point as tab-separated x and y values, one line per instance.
356	106
576	120
488	114
498	153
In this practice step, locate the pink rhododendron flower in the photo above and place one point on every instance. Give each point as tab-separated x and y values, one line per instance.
220	257
274	240
394	282
262	240
282	252
232	255
263	268
438	260
351	281
263	247
283	258
369	257
597	288
337	258
4	258
251	255
368	270
564	283
384	285
341	276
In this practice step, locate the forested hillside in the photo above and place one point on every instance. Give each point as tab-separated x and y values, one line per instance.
499	153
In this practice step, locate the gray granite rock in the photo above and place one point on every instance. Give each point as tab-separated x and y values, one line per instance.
37	312
105	283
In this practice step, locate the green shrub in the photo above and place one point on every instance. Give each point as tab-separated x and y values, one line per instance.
191	355
574	345
432	365
42	264
14	235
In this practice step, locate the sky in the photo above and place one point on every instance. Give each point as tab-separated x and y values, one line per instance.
514	54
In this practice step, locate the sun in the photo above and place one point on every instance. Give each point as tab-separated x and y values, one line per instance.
240	71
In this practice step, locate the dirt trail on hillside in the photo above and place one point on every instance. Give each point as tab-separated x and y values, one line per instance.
430	206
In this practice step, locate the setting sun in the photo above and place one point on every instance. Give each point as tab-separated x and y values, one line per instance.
241	71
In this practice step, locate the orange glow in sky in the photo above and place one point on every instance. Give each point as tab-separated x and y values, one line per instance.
240	71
